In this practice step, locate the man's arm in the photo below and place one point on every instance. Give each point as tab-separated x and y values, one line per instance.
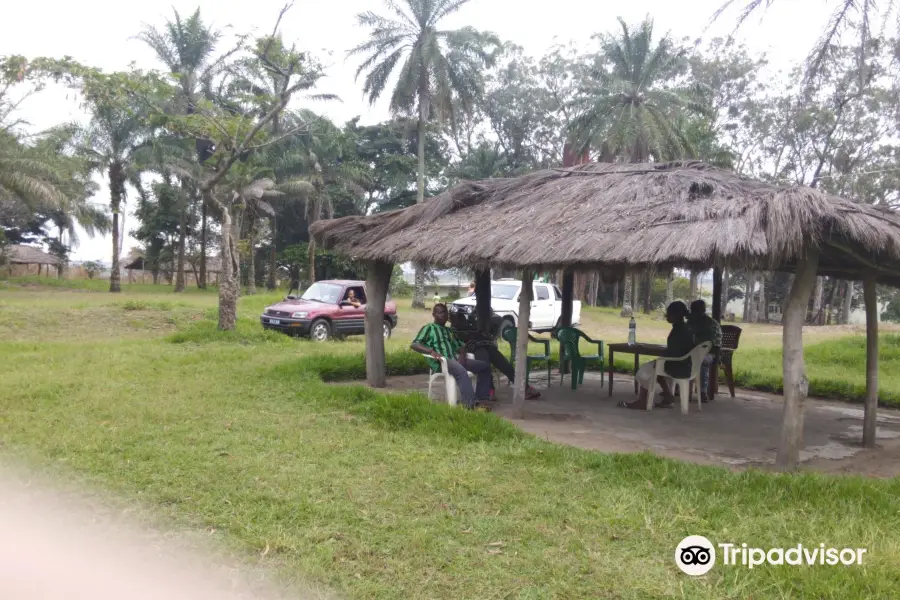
419	344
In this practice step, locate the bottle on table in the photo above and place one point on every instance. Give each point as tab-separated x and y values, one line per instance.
632	332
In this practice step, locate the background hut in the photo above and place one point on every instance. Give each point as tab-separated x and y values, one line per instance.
139	271
616	218
22	260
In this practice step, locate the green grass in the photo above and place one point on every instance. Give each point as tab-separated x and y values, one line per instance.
390	496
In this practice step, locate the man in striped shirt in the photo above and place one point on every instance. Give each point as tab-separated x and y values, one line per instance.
437	341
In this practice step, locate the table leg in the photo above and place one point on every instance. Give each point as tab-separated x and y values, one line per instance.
610	371
713	380
636	367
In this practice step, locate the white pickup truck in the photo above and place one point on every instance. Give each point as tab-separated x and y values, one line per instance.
546	308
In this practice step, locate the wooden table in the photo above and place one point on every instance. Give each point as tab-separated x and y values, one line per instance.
637	350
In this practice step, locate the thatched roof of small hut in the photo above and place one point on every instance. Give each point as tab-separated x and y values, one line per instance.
615	217
29	255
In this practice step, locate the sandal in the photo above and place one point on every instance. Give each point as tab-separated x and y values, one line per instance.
532	394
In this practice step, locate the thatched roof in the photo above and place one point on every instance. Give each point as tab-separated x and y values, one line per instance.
615	217
29	255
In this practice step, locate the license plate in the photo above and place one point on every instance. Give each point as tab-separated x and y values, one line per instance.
274	322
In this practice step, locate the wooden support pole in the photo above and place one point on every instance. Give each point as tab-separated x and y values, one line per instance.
483	299
525	298
796	385
871	410
717	316
568	296
378	280
717	295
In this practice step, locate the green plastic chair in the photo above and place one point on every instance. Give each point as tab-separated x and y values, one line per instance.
510	334
569	351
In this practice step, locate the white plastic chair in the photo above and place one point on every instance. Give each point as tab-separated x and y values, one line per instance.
449	382
685	390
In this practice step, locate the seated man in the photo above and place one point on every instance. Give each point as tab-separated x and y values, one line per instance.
679	343
352	299
705	329
436	340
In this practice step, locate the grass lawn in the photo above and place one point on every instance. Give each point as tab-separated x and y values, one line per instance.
390	496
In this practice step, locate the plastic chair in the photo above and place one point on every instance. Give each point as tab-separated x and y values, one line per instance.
449	382
568	351
685	388
731	336
511	335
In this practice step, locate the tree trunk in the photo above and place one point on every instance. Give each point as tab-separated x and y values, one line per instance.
228	283
830	308
311	260
251	263
616	294
378	279
748	293
762	308
693	292
116	194
273	266
724	307
635	292
419	291
627	311
848	299
670	287
818	293
871	411
568	292
525	299
647	290
182	239
796	385
204	225
751	298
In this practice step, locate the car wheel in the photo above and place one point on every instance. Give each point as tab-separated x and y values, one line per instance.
386	325
320	331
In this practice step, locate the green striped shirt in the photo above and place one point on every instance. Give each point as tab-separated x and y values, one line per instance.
441	340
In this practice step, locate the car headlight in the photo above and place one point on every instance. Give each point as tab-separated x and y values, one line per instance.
299	315
469	310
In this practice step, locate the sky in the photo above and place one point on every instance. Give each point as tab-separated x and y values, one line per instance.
101	33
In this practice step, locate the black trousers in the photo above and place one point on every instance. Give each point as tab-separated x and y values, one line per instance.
491	354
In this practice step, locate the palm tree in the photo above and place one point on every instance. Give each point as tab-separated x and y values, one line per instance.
28	177
631	110
112	142
187	47
439	68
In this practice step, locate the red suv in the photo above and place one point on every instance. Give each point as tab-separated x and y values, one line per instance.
324	311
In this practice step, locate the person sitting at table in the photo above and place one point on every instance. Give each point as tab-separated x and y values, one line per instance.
679	343
705	329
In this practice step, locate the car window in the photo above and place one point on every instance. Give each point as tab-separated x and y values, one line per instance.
327	293
542	292
504	291
359	292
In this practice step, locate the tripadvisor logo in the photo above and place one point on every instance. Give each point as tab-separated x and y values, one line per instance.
696	555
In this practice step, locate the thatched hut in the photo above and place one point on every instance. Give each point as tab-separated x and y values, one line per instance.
615	218
26	256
